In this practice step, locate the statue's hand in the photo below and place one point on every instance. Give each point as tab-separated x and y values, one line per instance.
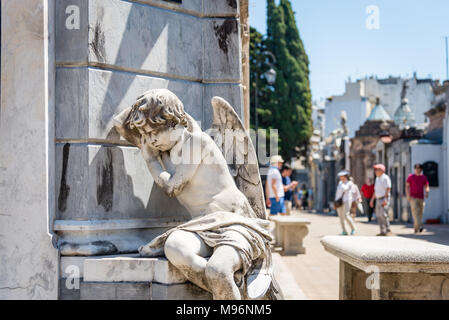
165	176
163	182
121	118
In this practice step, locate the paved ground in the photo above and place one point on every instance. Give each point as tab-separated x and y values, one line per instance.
316	272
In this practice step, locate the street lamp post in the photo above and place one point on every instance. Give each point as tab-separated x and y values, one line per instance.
270	75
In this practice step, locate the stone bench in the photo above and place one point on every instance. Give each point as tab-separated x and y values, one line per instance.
290	233
391	268
128	277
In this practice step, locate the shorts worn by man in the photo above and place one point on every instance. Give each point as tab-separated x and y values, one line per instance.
417	189
382	189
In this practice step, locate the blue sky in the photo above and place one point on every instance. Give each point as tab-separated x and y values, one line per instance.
410	39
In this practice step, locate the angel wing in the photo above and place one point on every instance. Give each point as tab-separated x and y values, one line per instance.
231	137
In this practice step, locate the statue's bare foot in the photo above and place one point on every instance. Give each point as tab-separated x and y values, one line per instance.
147	251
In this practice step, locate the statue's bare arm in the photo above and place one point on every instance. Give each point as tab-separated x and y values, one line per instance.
151	156
130	135
174	184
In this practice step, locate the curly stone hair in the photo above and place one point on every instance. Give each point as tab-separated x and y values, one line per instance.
159	108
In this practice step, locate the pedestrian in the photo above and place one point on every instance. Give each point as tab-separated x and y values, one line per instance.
289	187
310	198
304	197
356	198
382	189
417	189
297	198
343	202
367	192
273	187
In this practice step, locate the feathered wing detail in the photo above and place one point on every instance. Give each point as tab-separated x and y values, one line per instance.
235	143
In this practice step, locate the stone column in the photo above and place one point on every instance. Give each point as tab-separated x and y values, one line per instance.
29	262
446	161
244	21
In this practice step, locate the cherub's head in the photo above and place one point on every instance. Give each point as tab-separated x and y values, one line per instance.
158	115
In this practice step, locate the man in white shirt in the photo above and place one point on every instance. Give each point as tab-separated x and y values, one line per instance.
274	188
382	189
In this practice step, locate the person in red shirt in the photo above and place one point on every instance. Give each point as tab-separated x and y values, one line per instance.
367	192
417	189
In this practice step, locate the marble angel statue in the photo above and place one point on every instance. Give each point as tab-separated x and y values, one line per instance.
225	248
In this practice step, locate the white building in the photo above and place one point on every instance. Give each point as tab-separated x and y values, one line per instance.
353	103
360	97
318	118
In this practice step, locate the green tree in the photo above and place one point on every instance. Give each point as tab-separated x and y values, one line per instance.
287	106
258	67
299	80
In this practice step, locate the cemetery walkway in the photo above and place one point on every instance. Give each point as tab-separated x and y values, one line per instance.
316	272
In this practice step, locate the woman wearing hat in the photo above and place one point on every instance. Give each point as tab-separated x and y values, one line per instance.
343	202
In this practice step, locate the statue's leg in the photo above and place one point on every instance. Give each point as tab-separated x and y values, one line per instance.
187	252
220	271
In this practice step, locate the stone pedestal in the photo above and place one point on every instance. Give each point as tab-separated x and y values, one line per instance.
290	233
129	277
373	268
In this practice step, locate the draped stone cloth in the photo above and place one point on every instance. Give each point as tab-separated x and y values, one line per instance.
249	236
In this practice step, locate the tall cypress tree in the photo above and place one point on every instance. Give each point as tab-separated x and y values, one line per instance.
277	45
290	105
299	85
294	42
271	8
258	67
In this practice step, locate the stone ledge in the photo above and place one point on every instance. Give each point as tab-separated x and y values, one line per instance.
78	263
115	291
186	291
196	8
132	269
135	291
115	224
290	220
392	254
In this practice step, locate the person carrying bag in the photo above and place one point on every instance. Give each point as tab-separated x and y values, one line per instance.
343	202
